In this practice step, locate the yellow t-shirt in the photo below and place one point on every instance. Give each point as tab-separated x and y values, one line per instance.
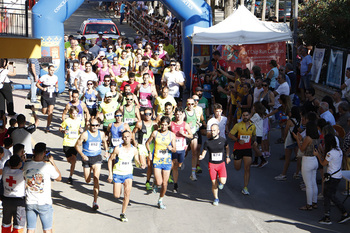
119	80
69	51
156	65
124	63
243	133
73	134
169	49
160	102
199	112
108	110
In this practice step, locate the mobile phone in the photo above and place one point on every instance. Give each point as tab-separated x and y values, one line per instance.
315	147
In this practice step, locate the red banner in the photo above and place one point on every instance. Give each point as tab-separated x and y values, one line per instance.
247	56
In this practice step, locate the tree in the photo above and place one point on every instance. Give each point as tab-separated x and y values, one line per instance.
263	14
253	7
229	7
325	22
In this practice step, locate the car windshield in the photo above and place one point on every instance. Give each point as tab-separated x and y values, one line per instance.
105	28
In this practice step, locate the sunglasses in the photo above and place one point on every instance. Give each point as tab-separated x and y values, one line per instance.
196	99
110	48
118	115
107	80
128	99
160	46
148	114
89	84
264	85
172	64
95	125
190	104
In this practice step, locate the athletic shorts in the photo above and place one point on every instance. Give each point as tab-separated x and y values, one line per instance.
179	155
217	170
178	99
121	178
92	161
45	102
188	141
239	154
199	138
16	208
92	111
69	151
258	140
158	79
162	166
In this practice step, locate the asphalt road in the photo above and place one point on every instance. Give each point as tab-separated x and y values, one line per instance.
271	207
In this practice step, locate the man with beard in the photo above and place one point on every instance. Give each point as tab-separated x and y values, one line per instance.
83	110
244	135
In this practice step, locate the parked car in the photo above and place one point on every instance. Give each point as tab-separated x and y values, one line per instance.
288	11
259	9
91	27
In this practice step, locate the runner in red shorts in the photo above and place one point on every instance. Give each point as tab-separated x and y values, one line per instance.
216	147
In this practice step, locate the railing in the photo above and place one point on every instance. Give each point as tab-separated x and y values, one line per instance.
148	25
14	19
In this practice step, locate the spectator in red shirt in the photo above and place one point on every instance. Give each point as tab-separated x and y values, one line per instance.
219	61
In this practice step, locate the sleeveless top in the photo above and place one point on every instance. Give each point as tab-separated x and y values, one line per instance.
80	108
90	100
116	132
161	152
116	70
245	102
309	151
129	117
146	96
180	139
192	121
124	164
92	146
101	75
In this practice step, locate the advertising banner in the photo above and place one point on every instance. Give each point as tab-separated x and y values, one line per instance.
317	61
335	68
247	56
201	55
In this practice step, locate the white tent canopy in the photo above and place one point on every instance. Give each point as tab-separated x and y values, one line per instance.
241	27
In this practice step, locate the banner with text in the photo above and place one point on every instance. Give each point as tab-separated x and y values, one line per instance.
335	67
247	56
317	61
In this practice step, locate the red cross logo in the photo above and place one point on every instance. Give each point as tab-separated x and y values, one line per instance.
11	181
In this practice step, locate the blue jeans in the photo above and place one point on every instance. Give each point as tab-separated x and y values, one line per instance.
45	213
33	88
122	17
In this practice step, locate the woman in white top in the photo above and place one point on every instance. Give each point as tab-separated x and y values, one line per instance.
5	85
334	157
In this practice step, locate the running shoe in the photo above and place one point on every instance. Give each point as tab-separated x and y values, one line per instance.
161	205
263	164
170	181
325	220
148	187
175	188
297	176
281	177
254	164
245	191
193	177
95	206
199	170
182	167
216	202
70	180
123	218
344	218
221	185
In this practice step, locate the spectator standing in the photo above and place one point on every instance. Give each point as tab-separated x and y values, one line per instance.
5	85
33	72
305	72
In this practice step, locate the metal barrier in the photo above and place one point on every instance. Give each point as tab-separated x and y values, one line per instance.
148	25
14	19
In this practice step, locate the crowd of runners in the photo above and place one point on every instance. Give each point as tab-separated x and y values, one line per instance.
128	105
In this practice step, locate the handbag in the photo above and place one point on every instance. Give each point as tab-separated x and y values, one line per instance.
328	176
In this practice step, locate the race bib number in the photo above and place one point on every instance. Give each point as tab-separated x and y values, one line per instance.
90	102
109	116
162	153
73	134
51	90
180	144
155	70
144	102
125	164
94	146
117	141
216	156
129	121
245	138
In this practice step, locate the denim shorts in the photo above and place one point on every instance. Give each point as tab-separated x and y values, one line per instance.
121	178
45	213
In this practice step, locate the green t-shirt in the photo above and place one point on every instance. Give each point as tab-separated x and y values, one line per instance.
223	83
204	104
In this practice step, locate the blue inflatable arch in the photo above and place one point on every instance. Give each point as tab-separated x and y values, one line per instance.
49	16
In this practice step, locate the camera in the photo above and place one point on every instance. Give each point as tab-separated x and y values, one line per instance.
28	106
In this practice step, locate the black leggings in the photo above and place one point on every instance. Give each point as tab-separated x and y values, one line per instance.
330	188
6	95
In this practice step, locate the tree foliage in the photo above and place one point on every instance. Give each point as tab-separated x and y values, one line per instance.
326	22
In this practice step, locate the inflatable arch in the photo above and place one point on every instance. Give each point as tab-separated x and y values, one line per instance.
49	16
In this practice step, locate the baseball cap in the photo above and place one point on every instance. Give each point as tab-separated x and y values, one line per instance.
128	46
100	33
109	94
199	89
